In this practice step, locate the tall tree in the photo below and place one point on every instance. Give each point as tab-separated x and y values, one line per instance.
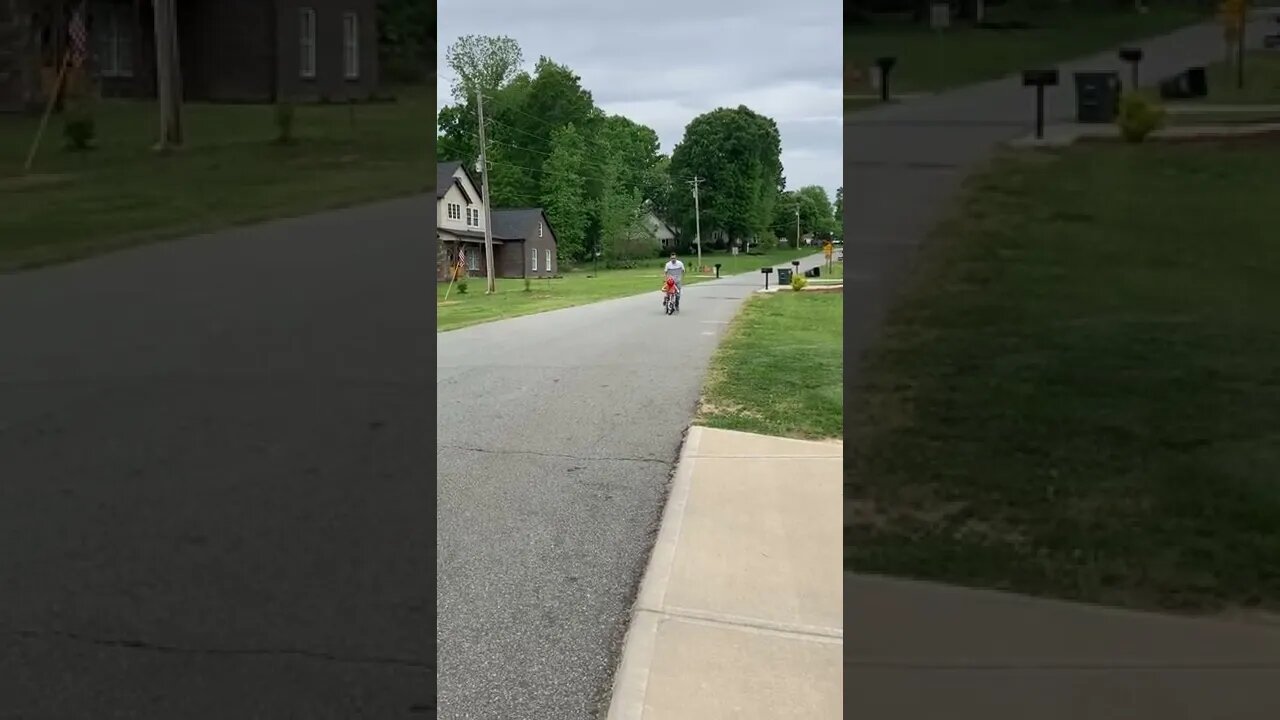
564	193
618	210
839	211
739	153
482	63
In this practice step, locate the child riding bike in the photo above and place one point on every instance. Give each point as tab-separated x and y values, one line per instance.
670	292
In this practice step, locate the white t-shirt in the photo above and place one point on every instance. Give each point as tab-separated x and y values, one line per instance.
675	269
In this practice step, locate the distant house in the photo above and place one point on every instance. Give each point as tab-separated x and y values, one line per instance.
524	244
229	50
659	229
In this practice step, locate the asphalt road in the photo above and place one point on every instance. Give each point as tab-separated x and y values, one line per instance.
557	436
214	464
905	162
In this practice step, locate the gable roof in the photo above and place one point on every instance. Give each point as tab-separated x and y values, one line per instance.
446	177
513	223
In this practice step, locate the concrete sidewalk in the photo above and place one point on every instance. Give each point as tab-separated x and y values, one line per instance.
921	650
740	611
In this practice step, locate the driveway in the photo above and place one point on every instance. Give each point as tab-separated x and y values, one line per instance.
214	458
557	436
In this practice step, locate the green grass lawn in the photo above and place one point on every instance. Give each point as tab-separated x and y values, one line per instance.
1261	81
578	287
780	371
930	62
1079	394
79	204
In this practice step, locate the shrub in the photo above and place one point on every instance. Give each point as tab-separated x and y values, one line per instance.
79	128
1139	117
528	285
798	282
462	285
284	123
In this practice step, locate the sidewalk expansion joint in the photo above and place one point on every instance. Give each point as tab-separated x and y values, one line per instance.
131	644
833	636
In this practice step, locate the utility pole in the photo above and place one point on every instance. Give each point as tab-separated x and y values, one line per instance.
490	285
797	227
697	218
168	74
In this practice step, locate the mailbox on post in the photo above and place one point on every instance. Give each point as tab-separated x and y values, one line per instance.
767	271
717	271
1040	79
885	64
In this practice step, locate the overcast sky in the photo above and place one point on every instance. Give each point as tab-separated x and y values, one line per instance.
664	62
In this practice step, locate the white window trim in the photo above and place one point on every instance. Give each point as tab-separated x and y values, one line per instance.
455	211
535	260
547	257
307	45
539	228
351	46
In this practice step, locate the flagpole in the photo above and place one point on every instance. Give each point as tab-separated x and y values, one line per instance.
48	110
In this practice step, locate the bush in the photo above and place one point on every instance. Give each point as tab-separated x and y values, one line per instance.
462	285
79	127
528	285
798	282
284	123
1139	117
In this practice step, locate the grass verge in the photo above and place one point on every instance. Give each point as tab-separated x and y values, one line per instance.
929	61
780	371
578	287
1261	81
75	205
1078	396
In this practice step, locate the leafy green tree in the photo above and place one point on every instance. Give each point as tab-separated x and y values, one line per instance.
816	215
482	63
618	211
406	39
564	193
739	153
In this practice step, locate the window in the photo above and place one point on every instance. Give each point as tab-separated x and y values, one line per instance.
473	258
455	211
535	259
351	46
548	258
307	42
473	217
114	40
539	228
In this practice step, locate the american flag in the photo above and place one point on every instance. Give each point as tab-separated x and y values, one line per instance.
79	37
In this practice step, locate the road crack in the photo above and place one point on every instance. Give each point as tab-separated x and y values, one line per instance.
133	644
558	456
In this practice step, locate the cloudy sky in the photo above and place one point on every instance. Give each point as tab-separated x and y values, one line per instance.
664	62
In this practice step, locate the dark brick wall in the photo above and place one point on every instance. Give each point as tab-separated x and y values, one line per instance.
329	82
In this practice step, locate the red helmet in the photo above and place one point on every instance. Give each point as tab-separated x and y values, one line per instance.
670	281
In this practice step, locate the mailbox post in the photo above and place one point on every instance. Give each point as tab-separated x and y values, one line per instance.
767	271
1133	56
717	271
1040	79
886	66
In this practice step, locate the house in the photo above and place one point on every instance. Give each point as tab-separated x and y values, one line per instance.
524	244
229	50
659	229
529	248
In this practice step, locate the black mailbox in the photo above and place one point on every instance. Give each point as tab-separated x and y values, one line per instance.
717	270
1131	54
885	64
1039	78
767	271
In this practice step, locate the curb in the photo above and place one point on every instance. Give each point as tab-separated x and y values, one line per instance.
631	681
